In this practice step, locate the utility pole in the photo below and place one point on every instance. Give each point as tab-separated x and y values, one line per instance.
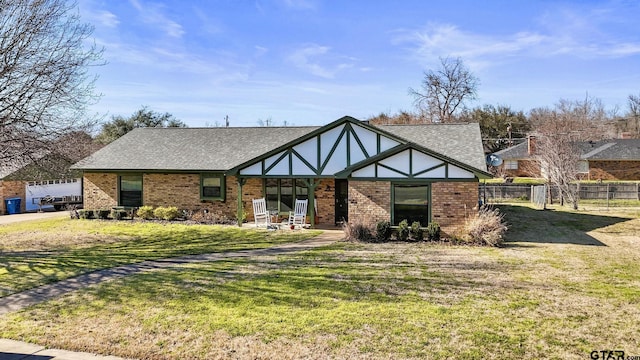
226	120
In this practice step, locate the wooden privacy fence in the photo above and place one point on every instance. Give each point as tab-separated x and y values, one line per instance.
605	191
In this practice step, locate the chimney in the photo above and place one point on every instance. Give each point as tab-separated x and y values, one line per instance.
626	135
531	144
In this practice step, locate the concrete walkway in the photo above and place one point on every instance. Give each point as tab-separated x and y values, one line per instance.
16	350
8	219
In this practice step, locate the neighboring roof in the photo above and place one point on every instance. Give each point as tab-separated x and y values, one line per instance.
221	149
616	149
520	151
461	142
613	149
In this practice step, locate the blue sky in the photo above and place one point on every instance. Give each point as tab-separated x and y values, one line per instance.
310	62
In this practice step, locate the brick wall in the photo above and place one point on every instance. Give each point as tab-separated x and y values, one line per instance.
614	170
183	191
452	203
100	190
369	201
12	189
325	202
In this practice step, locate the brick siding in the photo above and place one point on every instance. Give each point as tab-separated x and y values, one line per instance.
452	203
100	190
614	170
369	201
183	191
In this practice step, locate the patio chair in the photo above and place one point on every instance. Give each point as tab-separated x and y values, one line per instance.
299	214
260	213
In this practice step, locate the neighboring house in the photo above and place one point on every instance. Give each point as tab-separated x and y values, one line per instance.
36	180
518	160
349	170
615	159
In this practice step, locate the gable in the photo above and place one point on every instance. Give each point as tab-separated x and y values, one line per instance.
412	162
323	153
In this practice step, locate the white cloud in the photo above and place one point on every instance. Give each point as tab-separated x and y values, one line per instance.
308	59
153	14
480	50
108	19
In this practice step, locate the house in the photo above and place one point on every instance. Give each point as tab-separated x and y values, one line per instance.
614	159
348	169
48	176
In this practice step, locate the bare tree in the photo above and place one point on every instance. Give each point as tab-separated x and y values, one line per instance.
44	84
558	132
632	121
445	90
559	157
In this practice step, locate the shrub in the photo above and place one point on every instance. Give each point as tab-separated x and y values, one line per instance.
433	231
86	214
118	214
103	214
485	228
145	212
403	230
417	233
166	213
358	230
383	231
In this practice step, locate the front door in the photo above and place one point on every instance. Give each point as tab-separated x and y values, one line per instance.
342	204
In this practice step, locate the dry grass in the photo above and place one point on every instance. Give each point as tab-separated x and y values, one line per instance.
563	285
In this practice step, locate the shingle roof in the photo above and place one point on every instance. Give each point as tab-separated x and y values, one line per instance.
220	149
520	151
201	149
461	142
614	149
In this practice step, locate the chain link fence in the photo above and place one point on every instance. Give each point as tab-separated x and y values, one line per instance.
593	195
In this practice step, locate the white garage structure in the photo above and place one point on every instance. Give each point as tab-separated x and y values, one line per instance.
34	190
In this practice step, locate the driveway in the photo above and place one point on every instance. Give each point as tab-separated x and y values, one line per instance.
8	219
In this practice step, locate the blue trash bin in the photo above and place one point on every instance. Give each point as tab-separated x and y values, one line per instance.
12	205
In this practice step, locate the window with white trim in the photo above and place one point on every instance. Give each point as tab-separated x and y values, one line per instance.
511	164
583	166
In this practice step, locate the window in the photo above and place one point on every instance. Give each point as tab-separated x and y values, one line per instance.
130	190
280	194
411	203
511	165
212	187
583	166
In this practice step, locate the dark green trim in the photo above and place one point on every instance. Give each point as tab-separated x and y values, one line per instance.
429	169
346	173
362	147
304	161
317	133
153	171
392	169
293	190
223	186
429	197
333	149
266	170
141	186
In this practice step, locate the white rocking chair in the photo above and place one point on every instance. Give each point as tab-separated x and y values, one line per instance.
299	214
260	213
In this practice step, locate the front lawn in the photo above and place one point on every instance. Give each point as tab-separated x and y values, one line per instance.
565	284
41	252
